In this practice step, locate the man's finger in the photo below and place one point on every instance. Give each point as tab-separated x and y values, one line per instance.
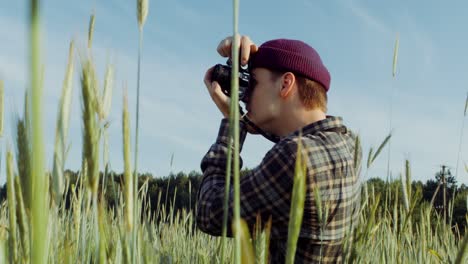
245	44
219	98
207	78
224	47
253	48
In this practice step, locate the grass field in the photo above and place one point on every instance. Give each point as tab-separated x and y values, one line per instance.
37	227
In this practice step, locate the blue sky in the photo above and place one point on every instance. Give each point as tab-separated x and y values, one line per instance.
354	38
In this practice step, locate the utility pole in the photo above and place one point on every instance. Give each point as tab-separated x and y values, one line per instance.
444	182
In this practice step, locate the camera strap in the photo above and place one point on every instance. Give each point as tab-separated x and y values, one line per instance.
275	138
269	136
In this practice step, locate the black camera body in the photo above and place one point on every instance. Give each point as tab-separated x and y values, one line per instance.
222	74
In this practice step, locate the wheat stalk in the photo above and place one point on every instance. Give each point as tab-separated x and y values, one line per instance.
63	117
38	178
23	220
297	203
461	136
12	207
405	193
380	148
395	55
142	12
128	181
90	125
23	154
91	30
408	180
2	106
106	99
91	135
390	119
234	127
103	224
248	256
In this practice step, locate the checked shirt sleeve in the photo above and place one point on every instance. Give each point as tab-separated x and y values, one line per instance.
266	190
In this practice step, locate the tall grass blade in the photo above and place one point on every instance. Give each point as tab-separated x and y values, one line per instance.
258	241
462	255
267	231
435	194
107	94
408	180
3	248
91	30
395	55
23	155
380	148
466	105
90	125
2	106
128	180
39	207
357	156
105	159
405	193
369	158
318	203
390	119
461	139
12	239
227	191
103	234
61	131
460	142
297	204
248	255
142	12
171	162
234	128
23	221
90	152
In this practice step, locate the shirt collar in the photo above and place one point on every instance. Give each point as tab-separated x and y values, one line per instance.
330	122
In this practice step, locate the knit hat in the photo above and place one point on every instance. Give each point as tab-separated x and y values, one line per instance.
294	56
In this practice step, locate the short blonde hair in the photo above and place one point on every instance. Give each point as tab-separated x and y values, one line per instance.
312	94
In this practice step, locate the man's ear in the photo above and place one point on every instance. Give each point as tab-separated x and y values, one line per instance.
287	83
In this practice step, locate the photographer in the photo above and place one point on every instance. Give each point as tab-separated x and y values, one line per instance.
287	95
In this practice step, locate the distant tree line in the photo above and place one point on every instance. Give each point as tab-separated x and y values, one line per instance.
430	192
179	191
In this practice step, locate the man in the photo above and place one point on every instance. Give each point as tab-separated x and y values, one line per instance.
288	99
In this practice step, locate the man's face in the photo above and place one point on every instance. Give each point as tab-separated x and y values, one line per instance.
263	103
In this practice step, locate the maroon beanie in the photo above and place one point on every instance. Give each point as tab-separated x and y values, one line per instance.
294	56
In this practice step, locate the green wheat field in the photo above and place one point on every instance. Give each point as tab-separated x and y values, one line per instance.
48	216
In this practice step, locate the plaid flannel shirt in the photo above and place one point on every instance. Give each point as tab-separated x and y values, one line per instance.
266	190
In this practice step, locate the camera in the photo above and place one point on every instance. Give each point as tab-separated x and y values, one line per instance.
222	74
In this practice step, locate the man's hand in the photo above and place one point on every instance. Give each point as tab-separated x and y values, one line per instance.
246	47
221	100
